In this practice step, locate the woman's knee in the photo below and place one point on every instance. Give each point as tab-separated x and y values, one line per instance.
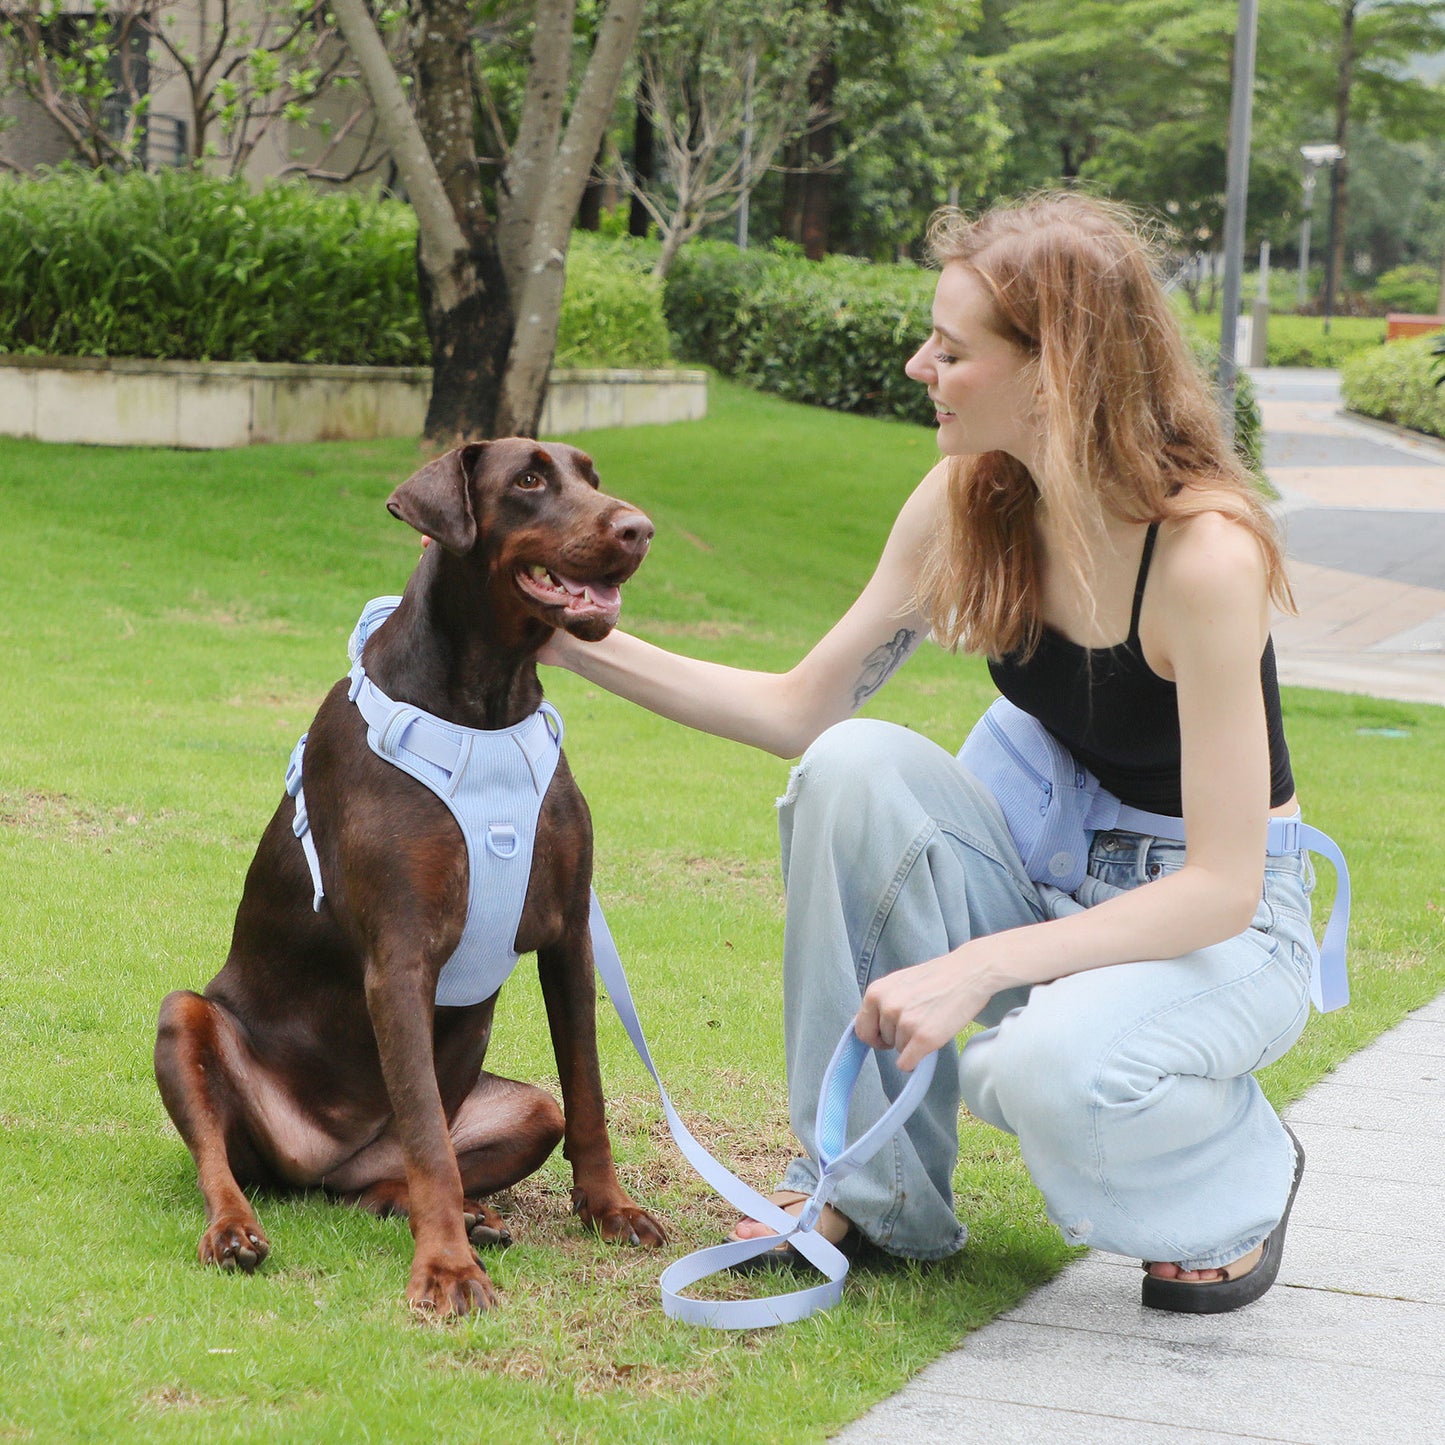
863	765
1033	1074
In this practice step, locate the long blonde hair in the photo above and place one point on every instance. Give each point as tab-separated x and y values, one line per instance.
1129	424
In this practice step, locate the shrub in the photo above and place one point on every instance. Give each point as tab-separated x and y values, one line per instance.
834	333
1396	383
180	265
612	308
1299	340
1410	289
183	265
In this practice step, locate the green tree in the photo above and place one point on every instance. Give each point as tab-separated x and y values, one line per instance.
921	125
906	118
491	261
247	70
1353	59
724	85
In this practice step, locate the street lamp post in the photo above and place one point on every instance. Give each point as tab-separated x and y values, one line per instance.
1241	101
1315	157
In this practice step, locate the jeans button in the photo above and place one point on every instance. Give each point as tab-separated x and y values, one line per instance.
1153	870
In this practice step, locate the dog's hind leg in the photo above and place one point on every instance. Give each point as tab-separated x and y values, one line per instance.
193	1070
503	1132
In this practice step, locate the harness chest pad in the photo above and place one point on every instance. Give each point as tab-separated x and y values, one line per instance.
493	782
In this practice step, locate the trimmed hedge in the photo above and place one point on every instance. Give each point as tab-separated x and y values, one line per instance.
611	308
180	265
833	333
1298	340
1396	383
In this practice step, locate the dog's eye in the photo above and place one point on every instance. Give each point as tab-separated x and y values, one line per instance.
530	482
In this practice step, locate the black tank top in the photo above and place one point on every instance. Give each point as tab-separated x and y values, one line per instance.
1119	717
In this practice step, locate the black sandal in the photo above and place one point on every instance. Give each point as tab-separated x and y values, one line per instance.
1217	1296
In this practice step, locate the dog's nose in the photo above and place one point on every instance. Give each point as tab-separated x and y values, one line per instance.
633	530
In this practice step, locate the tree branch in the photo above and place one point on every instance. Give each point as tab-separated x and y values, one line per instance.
443	243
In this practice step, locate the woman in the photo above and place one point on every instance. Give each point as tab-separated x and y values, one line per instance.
1091	532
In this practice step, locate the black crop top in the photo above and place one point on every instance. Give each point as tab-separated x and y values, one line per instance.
1120	718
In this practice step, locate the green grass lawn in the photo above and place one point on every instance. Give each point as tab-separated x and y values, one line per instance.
169	622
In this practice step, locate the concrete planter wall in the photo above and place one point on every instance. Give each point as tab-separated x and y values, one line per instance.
122	402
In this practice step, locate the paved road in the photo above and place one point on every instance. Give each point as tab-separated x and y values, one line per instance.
1364	515
1349	1346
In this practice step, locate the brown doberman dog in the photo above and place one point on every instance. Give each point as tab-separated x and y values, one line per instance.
318	1057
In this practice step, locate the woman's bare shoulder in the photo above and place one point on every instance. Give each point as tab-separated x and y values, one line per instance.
1210	552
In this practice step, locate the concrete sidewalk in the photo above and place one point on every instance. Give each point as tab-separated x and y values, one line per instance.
1348	1348
1363	508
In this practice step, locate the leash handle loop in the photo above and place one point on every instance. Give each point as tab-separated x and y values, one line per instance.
837	1157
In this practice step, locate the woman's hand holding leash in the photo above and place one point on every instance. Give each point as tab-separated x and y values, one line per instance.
919	1009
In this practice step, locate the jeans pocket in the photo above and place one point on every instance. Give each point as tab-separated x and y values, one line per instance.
1294	964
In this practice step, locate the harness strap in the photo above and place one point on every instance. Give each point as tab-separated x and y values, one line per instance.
301	824
837	1160
1329	979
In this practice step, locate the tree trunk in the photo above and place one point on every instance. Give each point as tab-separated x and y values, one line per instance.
1339	173
491	291
643	164
589	211
463	294
808	183
537	254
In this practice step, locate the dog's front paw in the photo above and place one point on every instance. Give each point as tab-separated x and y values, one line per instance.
618	1220
441	1289
234	1242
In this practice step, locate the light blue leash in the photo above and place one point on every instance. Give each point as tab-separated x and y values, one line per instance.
837	1160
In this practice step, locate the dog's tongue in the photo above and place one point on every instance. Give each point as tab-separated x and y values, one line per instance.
589	595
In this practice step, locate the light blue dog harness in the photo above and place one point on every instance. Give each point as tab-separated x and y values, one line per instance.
493	782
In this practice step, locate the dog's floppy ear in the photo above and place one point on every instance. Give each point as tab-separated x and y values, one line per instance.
437	500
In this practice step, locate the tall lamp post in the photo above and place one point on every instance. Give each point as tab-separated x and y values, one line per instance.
1241	102
1315	157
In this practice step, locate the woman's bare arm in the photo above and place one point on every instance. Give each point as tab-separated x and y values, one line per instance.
781	712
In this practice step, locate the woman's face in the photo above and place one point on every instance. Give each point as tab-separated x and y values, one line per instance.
982	385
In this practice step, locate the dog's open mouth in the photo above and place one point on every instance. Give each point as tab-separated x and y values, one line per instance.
580	601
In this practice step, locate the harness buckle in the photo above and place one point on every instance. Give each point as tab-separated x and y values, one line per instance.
1285	836
293	767
502	840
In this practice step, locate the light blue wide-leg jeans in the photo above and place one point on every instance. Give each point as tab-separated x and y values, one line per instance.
1129	1087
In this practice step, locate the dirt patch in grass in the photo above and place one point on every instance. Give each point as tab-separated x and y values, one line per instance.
169	1399
271	698
227	617
717	880
59	816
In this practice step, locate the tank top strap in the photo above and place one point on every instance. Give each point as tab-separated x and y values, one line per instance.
1150	537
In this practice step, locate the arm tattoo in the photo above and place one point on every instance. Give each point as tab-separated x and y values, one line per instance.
882	663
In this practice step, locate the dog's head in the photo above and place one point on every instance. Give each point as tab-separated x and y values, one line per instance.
534	516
